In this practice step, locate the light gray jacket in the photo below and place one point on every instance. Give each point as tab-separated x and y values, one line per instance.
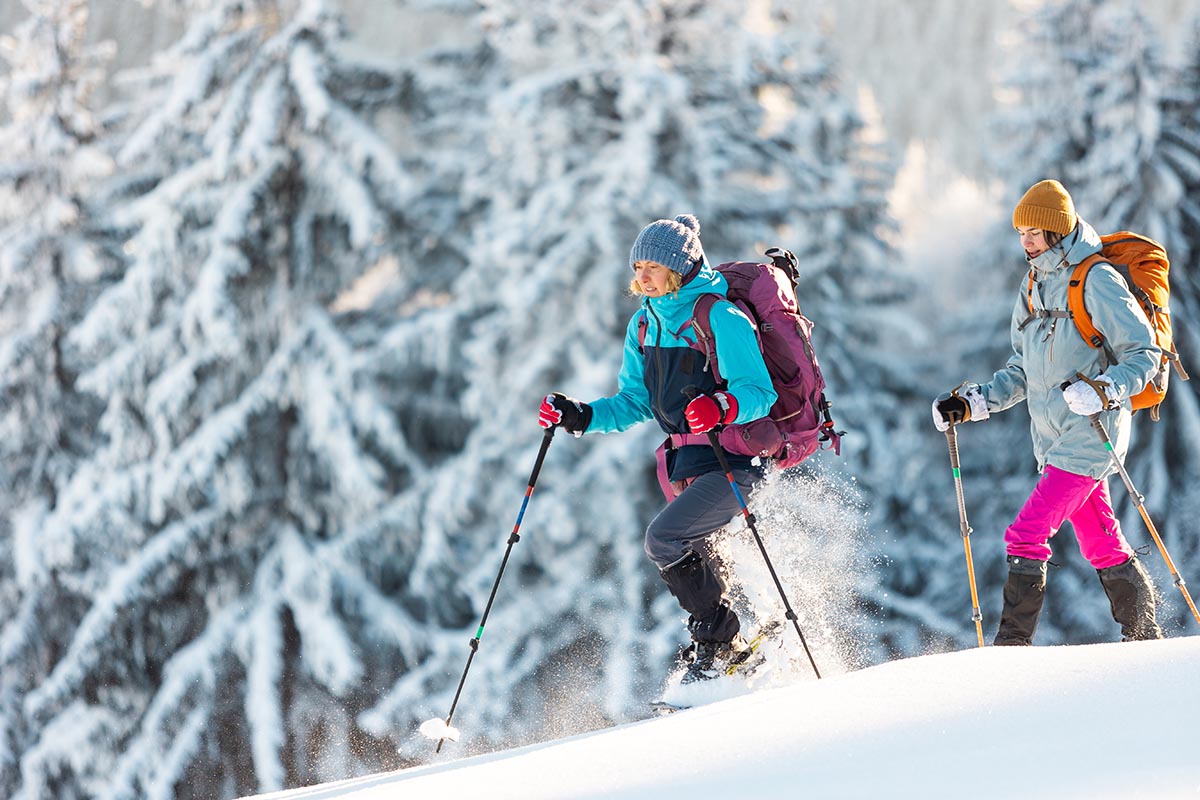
1049	351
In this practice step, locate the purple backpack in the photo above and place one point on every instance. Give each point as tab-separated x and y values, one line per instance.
799	422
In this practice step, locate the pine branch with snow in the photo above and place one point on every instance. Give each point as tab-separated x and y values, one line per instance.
234	431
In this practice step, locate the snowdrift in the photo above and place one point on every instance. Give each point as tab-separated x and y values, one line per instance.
1089	721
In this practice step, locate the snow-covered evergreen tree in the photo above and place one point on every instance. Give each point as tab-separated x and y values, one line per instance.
218	613
1166	465
51	252
564	131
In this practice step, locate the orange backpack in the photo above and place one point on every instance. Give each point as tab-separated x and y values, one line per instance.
1144	265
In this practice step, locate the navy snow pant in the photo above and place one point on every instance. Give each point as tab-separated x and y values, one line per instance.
675	542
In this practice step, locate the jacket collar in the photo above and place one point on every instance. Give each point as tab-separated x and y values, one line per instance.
706	280
1074	248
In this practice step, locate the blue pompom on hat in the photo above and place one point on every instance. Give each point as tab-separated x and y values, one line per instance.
673	243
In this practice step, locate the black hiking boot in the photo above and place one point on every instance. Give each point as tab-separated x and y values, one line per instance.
1024	592
708	660
1132	598
701	592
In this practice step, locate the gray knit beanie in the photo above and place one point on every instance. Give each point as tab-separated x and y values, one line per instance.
673	243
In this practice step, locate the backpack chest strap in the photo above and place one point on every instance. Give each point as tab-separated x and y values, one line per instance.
1076	309
1039	313
1042	313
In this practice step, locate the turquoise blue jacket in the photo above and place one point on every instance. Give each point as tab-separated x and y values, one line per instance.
657	366
1049	351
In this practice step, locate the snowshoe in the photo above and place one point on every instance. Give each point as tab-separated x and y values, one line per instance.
707	660
752	658
704	663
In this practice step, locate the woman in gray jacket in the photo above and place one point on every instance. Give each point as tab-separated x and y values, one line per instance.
1048	352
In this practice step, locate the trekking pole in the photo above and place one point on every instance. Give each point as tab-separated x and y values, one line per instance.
965	529
446	730
690	391
1138	499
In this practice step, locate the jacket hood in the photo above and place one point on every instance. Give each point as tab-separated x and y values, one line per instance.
1074	248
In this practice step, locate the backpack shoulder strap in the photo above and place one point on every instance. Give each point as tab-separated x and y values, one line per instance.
1075	304
702	325
701	313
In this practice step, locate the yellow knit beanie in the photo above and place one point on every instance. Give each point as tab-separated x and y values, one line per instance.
1047	206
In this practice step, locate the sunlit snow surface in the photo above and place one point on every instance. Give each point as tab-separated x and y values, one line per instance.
1089	721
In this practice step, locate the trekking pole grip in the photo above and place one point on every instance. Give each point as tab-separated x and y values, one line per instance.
956	472
690	392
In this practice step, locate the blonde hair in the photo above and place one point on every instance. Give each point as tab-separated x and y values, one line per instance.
674	282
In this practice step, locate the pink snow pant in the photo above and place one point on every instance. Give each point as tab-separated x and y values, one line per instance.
1060	496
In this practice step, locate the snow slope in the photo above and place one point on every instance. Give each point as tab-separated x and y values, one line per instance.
1088	721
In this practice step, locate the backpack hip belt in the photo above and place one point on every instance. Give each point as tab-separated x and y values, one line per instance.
677	440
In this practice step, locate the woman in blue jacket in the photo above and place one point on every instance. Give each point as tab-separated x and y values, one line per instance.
670	272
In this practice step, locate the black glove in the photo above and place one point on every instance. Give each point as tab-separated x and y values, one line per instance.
566	412
949	408
963	403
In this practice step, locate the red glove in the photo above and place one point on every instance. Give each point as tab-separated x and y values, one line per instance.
707	411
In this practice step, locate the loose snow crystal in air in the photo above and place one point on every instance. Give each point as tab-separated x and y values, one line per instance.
437	728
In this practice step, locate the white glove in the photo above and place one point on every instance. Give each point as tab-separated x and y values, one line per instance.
1084	400
970	404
